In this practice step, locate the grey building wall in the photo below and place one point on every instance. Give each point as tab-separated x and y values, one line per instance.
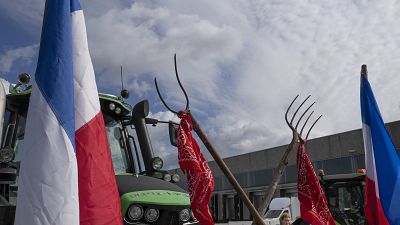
338	153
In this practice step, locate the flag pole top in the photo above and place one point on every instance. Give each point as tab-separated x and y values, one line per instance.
364	70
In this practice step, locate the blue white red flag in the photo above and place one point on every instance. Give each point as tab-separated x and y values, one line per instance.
382	194
66	175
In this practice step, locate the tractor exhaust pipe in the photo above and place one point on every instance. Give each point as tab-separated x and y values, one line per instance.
139	113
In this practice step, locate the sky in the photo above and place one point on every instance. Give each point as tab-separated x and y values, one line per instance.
241	62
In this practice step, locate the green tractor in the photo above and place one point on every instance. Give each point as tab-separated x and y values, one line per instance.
148	194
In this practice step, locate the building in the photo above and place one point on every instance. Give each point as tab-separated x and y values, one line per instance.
336	154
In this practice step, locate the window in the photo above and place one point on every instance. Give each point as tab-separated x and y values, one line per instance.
5	121
345	197
19	137
117	145
271	214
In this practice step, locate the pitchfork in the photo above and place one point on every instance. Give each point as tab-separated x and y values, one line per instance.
213	152
294	144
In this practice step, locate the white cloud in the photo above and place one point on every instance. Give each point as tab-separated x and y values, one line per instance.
164	116
144	39
25	54
234	135
27	13
139	87
289	48
242	62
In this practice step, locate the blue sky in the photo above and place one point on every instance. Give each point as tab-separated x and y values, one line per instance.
241	61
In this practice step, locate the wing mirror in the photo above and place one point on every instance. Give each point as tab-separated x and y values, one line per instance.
173	133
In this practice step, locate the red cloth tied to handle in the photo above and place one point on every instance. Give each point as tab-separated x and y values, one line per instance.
194	165
313	204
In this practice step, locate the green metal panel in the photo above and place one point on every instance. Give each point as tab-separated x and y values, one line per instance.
154	197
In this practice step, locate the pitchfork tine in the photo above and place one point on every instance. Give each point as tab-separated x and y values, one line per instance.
313	126
302	115
304	125
162	100
180	84
287	111
299	108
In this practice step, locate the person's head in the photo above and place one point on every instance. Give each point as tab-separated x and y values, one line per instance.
285	219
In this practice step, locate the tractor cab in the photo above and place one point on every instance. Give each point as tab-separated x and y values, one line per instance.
345	196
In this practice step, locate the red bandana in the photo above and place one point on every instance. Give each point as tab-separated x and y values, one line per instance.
313	204
194	165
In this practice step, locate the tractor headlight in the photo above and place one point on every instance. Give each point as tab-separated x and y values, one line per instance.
6	155
176	178
117	110
151	214
111	106
135	212
157	163
184	215
167	177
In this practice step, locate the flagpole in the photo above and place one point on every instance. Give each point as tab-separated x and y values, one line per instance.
364	71
226	171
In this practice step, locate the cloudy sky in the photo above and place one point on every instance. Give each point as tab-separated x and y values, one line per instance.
241	61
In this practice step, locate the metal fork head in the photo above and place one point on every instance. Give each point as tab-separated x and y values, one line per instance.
180	85
293	127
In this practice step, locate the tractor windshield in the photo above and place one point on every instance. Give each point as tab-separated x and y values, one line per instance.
117	144
346	201
345	198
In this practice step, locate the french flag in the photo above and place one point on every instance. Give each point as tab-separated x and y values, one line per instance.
66	175
382	194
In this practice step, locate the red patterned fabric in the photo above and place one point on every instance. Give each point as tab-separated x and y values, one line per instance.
313	204
194	165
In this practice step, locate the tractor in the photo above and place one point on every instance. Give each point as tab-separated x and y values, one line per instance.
149	195
345	196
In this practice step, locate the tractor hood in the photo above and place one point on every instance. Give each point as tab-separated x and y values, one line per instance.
133	183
